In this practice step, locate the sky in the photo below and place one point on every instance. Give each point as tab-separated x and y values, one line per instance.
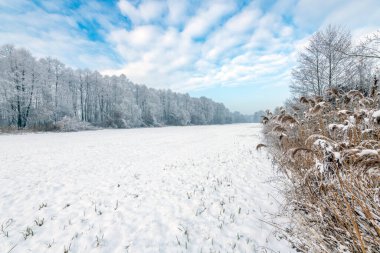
239	53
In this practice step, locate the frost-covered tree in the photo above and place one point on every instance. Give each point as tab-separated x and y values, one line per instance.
19	76
324	63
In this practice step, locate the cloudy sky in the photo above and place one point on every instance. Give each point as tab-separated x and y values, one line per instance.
236	52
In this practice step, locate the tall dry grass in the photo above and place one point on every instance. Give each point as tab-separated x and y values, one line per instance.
329	149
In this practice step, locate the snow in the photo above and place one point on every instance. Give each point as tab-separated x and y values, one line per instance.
337	156
367	131
352	120
336	126
376	114
368	152
344	112
323	144
173	189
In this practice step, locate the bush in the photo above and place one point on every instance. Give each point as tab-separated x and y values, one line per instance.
68	124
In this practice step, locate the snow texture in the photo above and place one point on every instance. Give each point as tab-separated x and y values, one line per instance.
174	189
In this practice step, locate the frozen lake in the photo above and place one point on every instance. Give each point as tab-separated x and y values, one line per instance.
172	189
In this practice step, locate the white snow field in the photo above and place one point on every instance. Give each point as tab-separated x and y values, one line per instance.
172	189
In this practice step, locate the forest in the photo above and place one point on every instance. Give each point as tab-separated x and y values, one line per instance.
44	94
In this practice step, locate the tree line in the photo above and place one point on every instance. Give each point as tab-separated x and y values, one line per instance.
39	93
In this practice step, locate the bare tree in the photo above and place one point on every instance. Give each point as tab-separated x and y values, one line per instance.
309	75
368	48
324	63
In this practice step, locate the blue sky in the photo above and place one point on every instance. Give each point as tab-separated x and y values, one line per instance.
236	52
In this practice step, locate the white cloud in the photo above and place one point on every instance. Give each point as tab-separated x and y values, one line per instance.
147	11
232	34
351	16
169	57
208	17
55	34
309	13
177	12
140	37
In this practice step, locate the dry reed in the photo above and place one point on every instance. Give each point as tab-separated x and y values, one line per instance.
331	157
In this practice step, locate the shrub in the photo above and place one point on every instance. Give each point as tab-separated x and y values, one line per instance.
68	124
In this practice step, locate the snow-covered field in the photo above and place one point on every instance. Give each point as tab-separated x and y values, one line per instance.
173	189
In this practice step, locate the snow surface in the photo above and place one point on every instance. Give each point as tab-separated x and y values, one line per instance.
173	189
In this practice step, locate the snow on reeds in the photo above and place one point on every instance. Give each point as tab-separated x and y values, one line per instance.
329	148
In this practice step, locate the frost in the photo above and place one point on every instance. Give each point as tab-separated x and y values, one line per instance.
319	166
323	144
